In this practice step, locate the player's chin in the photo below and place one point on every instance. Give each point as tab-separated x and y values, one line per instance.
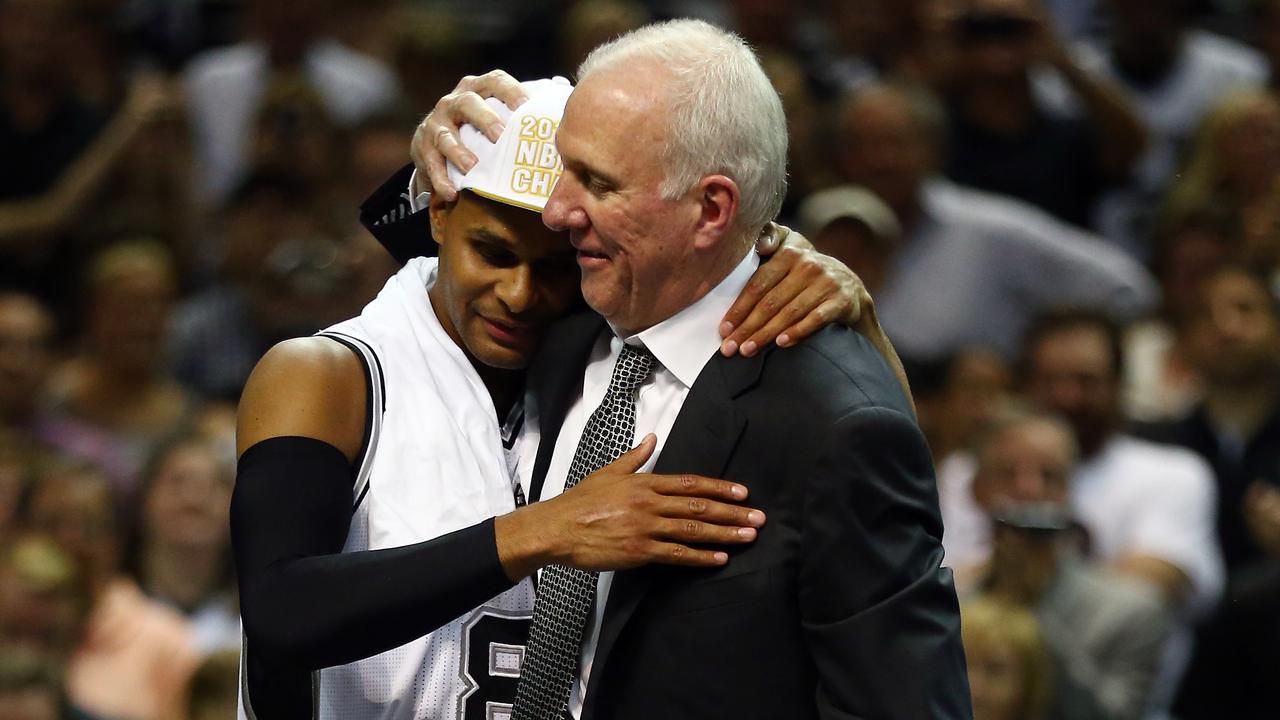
504	355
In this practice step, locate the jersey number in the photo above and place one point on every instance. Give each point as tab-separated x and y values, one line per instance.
495	650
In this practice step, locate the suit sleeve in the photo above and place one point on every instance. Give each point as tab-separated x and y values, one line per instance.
880	615
388	214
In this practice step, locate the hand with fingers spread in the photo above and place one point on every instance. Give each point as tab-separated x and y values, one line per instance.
437	139
796	293
617	519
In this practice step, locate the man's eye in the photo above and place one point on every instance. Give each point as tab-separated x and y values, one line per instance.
497	256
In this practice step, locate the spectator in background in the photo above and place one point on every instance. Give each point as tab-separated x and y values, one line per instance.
1160	382
1107	633
43	598
214	688
1148	510
1234	168
806	169
590	23
29	686
284	276
225	87
1173	74
899	40
135	655
429	52
180	551
112	402
972	268
1010	677
853	225
1002	138
44	126
1233	341
26	354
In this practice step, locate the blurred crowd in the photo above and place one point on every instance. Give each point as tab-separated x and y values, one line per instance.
1068	212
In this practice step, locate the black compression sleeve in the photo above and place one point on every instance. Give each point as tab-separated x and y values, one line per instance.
306	603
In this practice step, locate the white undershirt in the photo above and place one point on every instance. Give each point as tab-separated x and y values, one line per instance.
682	345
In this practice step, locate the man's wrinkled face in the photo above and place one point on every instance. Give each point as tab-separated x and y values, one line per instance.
1234	333
633	245
503	278
1024	463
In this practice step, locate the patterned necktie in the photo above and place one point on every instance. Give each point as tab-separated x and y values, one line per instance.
567	596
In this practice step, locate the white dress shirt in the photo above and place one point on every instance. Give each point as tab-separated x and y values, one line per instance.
682	345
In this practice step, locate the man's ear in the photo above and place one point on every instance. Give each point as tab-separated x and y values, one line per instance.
718	203
438	210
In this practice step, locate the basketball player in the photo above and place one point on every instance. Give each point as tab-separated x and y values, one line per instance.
375	512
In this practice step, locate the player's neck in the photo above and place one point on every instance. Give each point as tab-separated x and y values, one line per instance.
505	387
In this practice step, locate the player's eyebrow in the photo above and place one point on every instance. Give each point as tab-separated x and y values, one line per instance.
488	236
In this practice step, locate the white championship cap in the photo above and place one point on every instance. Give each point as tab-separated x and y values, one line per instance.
523	166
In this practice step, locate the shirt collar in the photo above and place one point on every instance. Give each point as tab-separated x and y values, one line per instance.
684	342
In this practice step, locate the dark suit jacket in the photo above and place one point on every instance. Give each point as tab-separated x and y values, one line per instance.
839	609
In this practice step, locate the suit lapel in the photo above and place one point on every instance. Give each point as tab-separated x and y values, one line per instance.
701	442
556	379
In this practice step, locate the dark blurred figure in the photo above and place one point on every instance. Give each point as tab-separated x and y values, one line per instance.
972	268
29	686
1173	73
215	688
44	125
225	87
113	401
134	655
284	274
588	24
899	40
1107	633
429	53
180	552
1234	341
26	355
1003	139
1160	381
807	168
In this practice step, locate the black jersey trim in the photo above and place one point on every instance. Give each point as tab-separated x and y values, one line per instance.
375	405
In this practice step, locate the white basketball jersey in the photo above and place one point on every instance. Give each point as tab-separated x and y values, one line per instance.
435	462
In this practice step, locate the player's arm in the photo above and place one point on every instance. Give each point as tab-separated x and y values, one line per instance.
875	605
300	427
303	601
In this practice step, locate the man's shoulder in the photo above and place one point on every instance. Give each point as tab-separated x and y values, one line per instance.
1166	468
837	370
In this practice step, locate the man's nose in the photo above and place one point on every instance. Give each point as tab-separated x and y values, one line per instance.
516	291
563	211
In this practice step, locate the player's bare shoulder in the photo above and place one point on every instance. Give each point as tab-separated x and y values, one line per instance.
310	387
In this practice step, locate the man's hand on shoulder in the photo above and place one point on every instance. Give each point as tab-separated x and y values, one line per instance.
309	387
616	519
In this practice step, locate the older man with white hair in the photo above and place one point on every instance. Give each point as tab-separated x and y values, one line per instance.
674	147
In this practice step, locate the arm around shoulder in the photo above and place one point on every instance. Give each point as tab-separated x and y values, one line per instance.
875	604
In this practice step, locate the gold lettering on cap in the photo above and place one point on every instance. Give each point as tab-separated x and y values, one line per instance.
537	164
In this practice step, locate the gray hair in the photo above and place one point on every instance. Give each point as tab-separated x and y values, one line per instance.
725	116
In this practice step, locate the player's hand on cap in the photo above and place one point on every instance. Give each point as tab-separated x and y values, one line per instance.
616	519
793	295
437	139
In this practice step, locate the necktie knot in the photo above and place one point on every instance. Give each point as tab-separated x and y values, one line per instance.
634	365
